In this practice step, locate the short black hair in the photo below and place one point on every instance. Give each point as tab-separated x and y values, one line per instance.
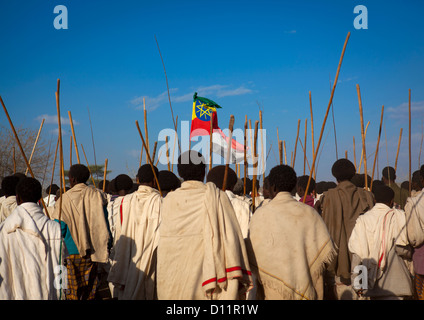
238	188
377	183
320	187
79	172
359	180
52	189
383	194
405	185
216	175
283	178
330	185
145	173
343	169
191	165
9	184
168	181
302	182
123	182
389	173
29	190
422	171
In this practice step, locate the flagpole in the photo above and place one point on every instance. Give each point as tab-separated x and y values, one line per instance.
245	155
255	166
210	142
326	114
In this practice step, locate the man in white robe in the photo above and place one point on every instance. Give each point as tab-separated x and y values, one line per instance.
241	207
201	251
30	249
133	270
379	243
289	244
8	185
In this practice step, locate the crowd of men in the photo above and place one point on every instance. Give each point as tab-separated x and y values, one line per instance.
198	236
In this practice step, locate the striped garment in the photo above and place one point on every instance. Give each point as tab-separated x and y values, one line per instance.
82	278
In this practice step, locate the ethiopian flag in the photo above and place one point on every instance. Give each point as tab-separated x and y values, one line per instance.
203	111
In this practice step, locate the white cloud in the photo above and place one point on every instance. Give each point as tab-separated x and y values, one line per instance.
52	119
402	110
216	90
290	31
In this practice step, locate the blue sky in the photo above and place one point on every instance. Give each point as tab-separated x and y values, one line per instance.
242	54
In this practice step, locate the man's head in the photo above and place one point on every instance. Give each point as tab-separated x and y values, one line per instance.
389	175
302	183
168	181
343	170
216	175
122	184
191	166
266	192
384	194
28	190
146	177
78	173
9	184
282	178
52	189
416	183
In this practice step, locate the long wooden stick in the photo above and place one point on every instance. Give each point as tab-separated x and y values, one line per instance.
304	148
362	151
295	144
104	175
398	148
378	144
312	130
92	140
326	115
167	153
22	150
363	135
54	164
169	96
61	169
73	136
262	142
35	144
88	166
154	151
245	155
354	153
255	166
148	157
173	148
228	155
410	164
146	132
280	150
210	143
285	152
